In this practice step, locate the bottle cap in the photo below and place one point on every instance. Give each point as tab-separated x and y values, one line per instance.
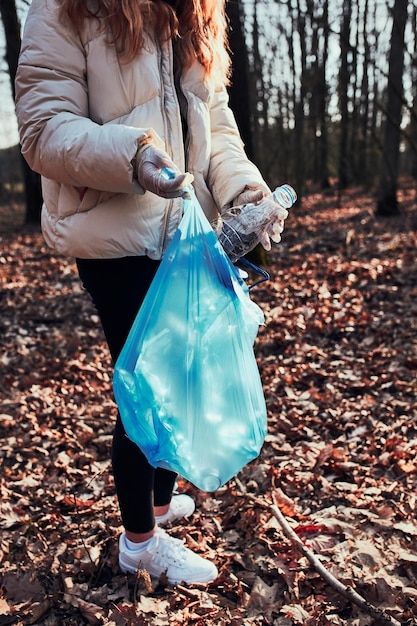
287	195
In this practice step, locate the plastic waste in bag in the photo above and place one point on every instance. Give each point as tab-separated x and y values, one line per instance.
186	382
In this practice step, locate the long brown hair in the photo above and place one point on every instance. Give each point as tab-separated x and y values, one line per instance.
199	28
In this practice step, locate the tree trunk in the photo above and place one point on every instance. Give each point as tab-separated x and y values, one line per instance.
33	194
325	182
375	143
259	104
239	88
354	86
299	115
413	120
363	128
387	197
344	76
320	94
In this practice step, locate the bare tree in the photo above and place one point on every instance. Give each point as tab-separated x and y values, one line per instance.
239	88
318	90
413	113
364	102
387	197
344	76
259	89
299	17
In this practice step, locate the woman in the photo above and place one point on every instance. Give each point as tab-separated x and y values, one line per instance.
108	93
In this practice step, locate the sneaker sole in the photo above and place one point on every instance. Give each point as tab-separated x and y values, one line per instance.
208	579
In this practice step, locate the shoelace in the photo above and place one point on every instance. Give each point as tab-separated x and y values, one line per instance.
176	507
170	547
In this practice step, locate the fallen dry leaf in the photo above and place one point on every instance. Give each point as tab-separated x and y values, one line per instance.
338	360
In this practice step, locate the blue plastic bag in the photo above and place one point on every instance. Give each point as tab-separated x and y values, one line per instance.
186	382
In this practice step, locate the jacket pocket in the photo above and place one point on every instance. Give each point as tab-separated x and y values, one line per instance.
64	200
90	198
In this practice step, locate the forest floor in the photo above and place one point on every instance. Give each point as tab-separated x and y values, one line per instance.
338	360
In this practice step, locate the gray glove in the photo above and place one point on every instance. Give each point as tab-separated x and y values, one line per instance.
149	164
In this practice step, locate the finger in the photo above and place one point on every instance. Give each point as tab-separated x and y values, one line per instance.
264	240
173	187
276	227
275	232
250	196
276	237
179	182
280	214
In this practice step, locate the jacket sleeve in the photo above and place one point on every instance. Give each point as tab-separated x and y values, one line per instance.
58	138
230	169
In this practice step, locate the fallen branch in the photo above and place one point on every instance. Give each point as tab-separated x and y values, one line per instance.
345	591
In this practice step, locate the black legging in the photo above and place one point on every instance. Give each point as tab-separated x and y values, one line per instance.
118	287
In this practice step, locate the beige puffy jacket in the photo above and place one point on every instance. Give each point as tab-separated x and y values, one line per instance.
81	114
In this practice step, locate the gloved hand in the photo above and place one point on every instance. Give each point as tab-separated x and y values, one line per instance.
255	213
149	163
248	196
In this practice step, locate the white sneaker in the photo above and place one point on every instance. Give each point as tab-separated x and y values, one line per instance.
181	506
165	554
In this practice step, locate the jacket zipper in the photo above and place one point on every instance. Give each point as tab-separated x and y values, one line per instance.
168	212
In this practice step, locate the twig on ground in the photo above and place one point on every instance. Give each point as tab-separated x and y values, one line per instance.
345	591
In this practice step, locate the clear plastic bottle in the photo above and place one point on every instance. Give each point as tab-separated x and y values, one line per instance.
239	236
